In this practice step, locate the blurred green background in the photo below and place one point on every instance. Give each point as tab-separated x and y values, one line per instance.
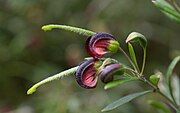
28	55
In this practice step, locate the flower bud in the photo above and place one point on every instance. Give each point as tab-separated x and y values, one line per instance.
154	79
106	74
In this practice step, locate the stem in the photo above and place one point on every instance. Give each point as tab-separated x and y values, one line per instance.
150	84
128	58
133	71
144	61
175	106
156	89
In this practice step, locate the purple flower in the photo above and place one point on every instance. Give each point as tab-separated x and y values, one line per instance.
100	44
88	72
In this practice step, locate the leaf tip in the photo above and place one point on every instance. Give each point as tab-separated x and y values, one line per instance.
130	37
106	109
103	110
137	37
127	40
105	87
154	1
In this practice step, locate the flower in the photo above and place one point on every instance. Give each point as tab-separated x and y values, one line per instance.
88	72
100	44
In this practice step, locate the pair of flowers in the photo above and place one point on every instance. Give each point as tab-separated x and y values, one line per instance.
91	69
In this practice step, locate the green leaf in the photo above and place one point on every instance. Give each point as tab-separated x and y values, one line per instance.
167	9
49	79
119	82
132	55
124	100
169	74
159	106
69	28
154	79
171	67
137	37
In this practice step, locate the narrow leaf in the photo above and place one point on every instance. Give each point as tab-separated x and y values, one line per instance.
124	100
137	37
169	74
171	67
69	28
167	9
159	106
54	77
119	82
133	55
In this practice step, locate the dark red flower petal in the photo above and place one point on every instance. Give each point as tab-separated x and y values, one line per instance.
86	74
97	45
106	73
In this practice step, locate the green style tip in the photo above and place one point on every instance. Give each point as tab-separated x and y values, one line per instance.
31	91
47	28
